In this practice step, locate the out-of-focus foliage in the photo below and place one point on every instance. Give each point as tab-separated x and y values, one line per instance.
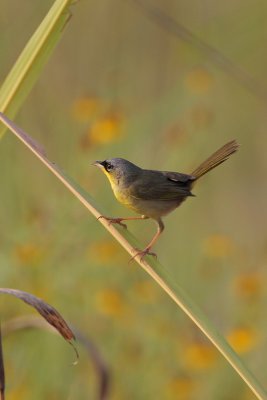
121	85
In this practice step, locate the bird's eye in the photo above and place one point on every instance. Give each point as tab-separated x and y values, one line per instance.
108	166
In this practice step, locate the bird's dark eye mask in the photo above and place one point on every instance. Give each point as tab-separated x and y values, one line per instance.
107	165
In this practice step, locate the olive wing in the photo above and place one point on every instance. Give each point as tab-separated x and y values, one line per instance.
157	185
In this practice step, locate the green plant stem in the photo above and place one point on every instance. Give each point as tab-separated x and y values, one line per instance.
149	264
32	59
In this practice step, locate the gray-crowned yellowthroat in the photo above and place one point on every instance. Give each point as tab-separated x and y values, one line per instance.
154	194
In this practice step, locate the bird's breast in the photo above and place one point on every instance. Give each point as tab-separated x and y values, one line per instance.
122	195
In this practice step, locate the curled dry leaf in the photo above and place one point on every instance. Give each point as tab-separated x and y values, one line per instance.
49	313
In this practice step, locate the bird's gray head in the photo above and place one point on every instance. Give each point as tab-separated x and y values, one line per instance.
118	170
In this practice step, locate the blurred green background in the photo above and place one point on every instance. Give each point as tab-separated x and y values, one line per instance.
119	84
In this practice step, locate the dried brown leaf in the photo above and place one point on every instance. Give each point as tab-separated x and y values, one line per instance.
49	313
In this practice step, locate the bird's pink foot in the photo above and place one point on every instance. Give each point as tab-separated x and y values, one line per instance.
113	220
143	253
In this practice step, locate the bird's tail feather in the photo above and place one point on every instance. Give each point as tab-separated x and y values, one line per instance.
216	159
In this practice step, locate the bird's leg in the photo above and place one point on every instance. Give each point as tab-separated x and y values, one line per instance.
146	251
118	220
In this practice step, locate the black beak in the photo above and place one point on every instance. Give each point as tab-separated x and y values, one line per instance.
98	163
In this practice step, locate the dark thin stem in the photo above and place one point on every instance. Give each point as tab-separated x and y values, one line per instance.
167	23
2	370
100	366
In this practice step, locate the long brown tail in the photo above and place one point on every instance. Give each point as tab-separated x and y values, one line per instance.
216	159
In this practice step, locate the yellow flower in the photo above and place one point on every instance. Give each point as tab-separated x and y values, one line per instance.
104	251
180	387
21	392
28	254
110	302
242	339
249	284
145	291
199	80
106	129
218	246
200	356
84	108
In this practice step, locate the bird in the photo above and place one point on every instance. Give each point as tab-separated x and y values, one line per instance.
154	194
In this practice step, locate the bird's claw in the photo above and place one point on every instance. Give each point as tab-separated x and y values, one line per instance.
143	253
113	221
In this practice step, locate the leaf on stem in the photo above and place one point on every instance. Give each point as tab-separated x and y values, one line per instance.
49	313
